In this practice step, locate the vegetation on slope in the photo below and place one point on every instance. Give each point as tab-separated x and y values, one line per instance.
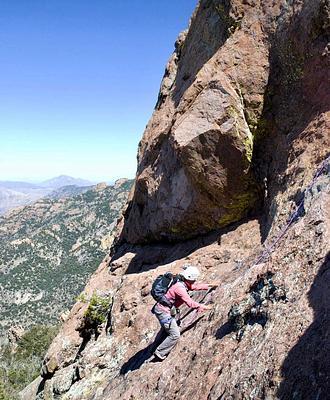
48	251
21	365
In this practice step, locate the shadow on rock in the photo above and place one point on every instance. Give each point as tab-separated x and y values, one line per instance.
41	386
306	368
138	359
253	308
148	257
224	330
214	24
294	97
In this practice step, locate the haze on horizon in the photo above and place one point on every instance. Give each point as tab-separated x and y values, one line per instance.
78	84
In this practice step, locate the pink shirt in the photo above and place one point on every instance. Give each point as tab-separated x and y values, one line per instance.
178	295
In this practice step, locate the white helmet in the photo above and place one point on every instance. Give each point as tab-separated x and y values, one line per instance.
190	272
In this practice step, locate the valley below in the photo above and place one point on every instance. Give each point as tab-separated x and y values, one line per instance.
50	248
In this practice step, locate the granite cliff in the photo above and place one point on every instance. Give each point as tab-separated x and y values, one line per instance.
225	180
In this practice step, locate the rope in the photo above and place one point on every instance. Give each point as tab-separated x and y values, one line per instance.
191	317
194	317
293	217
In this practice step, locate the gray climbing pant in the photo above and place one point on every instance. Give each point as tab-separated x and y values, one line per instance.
172	331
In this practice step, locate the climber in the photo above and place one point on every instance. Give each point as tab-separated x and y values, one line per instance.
177	295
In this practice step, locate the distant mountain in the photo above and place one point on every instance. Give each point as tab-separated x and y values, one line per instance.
50	248
68	191
19	186
15	194
64	180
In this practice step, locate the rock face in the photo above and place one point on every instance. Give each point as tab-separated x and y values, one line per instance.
194	171
216	356
243	70
244	104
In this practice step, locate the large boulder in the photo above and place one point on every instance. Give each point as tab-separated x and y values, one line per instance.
194	171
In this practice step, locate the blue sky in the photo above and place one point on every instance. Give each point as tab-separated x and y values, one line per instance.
78	83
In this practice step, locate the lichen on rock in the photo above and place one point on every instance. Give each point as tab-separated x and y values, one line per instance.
254	308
